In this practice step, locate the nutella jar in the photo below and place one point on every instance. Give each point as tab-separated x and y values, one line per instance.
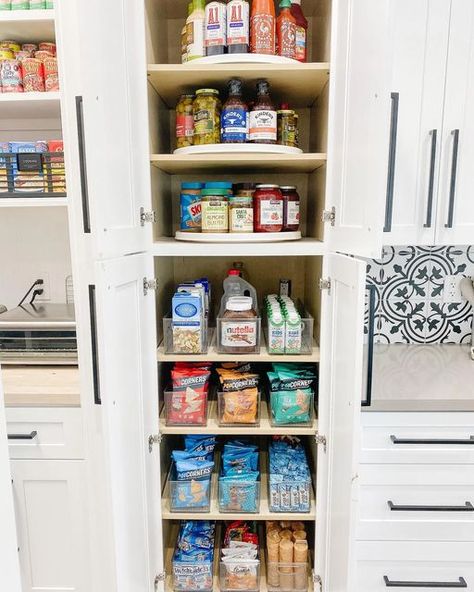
239	327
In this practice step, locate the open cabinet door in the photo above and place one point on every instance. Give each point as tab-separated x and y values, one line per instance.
10	571
359	123
101	46
126	332
338	419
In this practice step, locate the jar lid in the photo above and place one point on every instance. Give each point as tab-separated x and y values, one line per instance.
268	186
218	185
207	91
239	303
217	192
187	96
192	185
285	112
287	187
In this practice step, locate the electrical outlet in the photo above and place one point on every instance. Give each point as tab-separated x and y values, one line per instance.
452	288
46	295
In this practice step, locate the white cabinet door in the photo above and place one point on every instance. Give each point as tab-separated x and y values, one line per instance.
52	525
129	394
419	48
359	118
104	90
339	418
10	571
456	204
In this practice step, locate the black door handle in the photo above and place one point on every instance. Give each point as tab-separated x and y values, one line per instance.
392	150
454	441
83	165
452	183
461	583
370	349
94	345
429	207
468	507
29	436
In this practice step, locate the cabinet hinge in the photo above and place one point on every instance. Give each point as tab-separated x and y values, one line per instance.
161	577
325	284
317	581
149	284
329	216
154	439
320	439
147	217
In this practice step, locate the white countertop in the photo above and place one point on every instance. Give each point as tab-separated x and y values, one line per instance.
422	378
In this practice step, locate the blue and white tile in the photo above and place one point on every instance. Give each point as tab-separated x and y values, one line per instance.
401	321
448	322
404	273
446	261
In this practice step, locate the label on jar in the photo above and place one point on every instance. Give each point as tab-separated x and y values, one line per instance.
242	333
293	213
263	125
184	126
286	39
271	212
203	122
241	219
238	22
216	24
263	34
190	212
215	216
300	44
234	125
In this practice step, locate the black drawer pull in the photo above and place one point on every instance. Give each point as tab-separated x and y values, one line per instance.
468	507
29	436
395	440
461	583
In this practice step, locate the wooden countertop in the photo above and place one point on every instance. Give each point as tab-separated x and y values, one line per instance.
41	386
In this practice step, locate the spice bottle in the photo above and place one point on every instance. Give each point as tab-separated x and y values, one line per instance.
301	31
268	209
234	116
286	31
238	30
215	28
291	208
262	27
184	36
184	121
263	117
196	31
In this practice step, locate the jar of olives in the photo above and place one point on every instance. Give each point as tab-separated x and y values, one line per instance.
207	117
184	121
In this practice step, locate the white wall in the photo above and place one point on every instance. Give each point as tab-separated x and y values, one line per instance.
33	241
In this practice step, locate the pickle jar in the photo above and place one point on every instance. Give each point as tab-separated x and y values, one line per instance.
207	117
286	122
184	121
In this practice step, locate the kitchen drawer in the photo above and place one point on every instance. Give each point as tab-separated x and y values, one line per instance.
420	496
416	563
43	433
417	438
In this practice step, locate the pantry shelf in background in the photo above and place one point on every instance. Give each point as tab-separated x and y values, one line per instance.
300	84
265	163
27	26
31	105
33	202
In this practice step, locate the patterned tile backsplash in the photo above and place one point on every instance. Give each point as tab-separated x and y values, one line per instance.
409	300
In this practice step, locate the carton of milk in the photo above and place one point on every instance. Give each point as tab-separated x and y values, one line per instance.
187	320
294	334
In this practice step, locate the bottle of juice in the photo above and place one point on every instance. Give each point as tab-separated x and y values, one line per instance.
262	27
195	29
286	31
184	36
301	31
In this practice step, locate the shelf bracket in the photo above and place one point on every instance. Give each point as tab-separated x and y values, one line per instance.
320	440
317	581
325	284
152	440
159	578
147	217
149	284
329	216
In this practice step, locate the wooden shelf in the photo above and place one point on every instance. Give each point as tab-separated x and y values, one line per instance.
210	163
31	105
297	84
213	355
33	202
27	26
264	429
170	247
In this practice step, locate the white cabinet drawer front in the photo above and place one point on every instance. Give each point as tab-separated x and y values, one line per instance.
45	433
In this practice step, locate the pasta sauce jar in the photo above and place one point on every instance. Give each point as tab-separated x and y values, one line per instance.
291	208
268	209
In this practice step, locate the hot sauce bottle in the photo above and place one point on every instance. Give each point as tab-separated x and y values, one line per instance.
262	27
263	117
301	31
286	31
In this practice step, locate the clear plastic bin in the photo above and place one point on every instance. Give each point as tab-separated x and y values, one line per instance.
239	496
291	408
189	496
178	340
238	336
183	408
289	496
194	577
237	575
247	409
288	339
287	577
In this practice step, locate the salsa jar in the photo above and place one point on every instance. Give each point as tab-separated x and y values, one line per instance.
241	213
214	210
207	117
268	209
184	121
291	208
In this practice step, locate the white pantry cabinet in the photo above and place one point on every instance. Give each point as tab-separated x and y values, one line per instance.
427	197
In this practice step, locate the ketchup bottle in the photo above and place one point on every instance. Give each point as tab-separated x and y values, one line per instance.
262	27
286	31
301	31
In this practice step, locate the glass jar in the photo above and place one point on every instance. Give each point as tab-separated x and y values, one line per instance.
239	326
286	123
214	210
244	189
219	185
268	209
207	117
184	121
190	207
291	208
241	213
